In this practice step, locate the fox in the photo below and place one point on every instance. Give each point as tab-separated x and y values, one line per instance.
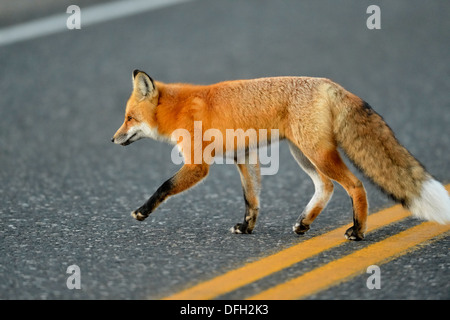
316	116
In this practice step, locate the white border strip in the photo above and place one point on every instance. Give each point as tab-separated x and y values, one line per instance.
89	16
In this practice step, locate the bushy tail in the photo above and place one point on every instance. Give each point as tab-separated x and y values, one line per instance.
371	145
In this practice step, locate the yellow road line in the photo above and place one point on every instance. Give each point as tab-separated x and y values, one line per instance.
257	270
353	264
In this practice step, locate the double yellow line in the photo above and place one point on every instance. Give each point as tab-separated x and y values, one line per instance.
327	275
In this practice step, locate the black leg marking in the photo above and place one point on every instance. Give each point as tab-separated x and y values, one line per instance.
354	232
251	186
153	202
243	228
250	217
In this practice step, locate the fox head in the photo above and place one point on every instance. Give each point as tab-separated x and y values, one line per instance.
140	111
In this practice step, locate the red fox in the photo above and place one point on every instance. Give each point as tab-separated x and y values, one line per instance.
315	116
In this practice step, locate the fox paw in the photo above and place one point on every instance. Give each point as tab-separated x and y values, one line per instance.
353	234
240	228
138	215
300	228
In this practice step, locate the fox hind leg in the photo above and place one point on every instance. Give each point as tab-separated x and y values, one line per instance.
322	194
251	186
330	163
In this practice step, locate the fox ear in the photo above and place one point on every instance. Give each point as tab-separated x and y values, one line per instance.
143	84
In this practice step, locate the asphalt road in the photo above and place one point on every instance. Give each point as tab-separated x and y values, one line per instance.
66	192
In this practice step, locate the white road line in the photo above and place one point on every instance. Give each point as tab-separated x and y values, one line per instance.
89	16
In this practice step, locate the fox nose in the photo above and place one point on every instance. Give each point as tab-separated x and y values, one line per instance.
112	139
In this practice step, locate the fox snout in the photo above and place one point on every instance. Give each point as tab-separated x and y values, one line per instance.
127	135
123	139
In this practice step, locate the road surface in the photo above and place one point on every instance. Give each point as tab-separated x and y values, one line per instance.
67	192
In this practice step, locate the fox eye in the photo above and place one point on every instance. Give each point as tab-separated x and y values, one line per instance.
129	118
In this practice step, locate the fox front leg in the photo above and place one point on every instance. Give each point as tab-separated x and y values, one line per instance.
185	178
251	186
153	202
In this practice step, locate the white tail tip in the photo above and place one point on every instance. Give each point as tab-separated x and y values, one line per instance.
432	204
